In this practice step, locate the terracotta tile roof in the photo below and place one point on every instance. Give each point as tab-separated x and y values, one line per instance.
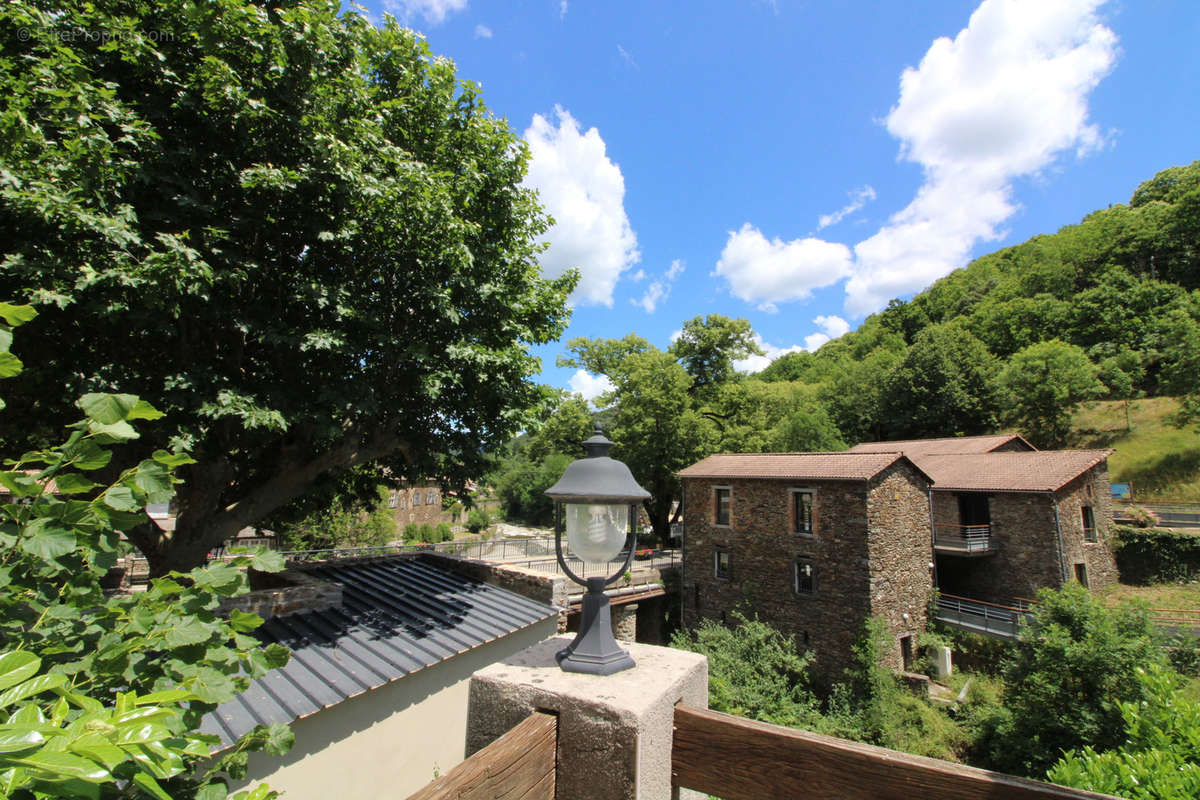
795	466
1037	471
953	444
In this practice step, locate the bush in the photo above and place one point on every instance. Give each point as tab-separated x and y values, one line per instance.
478	519
442	533
1156	556
412	533
753	671
1183	651
1075	664
1142	517
425	534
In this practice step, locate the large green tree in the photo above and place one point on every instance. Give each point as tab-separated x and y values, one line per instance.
1045	382
296	233
944	386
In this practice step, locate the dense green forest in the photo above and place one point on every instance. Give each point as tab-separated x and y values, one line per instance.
1105	309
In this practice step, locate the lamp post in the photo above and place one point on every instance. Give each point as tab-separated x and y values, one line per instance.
596	500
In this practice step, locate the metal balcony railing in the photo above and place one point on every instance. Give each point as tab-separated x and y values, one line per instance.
981	617
963	538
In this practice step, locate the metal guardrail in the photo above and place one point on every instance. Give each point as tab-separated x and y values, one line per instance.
965	538
550	566
981	617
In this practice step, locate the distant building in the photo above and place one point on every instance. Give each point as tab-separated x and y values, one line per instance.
817	542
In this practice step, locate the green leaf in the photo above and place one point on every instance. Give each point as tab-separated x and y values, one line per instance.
10	365
112	433
154	479
276	655
67	766
98	748
17	315
279	739
14	739
87	454
19	484
244	621
188	631
17	666
31	687
172	459
107	409
30	714
268	560
72	483
143	410
217	790
121	498
147	782
224	579
47	540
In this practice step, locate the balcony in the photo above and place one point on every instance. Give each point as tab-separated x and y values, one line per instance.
963	540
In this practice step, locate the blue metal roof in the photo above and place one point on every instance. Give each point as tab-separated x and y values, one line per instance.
399	615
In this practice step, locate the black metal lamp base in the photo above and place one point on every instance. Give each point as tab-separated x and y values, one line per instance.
595	650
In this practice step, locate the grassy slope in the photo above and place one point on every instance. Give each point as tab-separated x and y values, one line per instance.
1161	461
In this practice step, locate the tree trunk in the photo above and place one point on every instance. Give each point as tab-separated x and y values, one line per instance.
659	512
207	518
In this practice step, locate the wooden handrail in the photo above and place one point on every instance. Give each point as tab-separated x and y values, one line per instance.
517	766
741	759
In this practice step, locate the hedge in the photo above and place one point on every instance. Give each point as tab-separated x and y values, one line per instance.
1153	555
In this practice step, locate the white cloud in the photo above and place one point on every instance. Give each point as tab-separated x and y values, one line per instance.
585	193
483	32
589	385
858	199
759	363
831	328
638	276
1002	100
769	272
562	9
433	11
627	57
659	289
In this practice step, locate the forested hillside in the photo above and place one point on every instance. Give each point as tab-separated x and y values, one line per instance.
1108	309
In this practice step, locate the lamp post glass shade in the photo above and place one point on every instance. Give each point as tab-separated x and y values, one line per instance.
596	532
596	500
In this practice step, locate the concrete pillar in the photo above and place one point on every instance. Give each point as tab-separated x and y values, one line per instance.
624	619
614	731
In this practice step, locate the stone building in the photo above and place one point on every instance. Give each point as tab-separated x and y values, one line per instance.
815	543
420	502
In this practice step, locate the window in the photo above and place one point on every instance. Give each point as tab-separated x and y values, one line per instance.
721	565
416	499
721	505
1089	524
404	501
393	499
906	652
804	576
1081	575
801	512
430	496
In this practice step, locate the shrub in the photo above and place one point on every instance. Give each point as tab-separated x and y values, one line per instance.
425	533
1075	664
478	519
443	533
1156	556
754	671
1142	517
412	532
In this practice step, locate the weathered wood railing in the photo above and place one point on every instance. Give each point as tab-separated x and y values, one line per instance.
740	759
517	766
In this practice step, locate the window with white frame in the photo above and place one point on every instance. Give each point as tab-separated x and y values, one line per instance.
801	512
804	576
1089	524
416	500
393	499
722	504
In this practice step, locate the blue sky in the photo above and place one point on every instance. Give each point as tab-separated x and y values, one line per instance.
800	163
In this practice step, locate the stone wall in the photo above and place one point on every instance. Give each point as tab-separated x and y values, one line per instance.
1025	551
763	551
291	591
552	589
900	554
1090	489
